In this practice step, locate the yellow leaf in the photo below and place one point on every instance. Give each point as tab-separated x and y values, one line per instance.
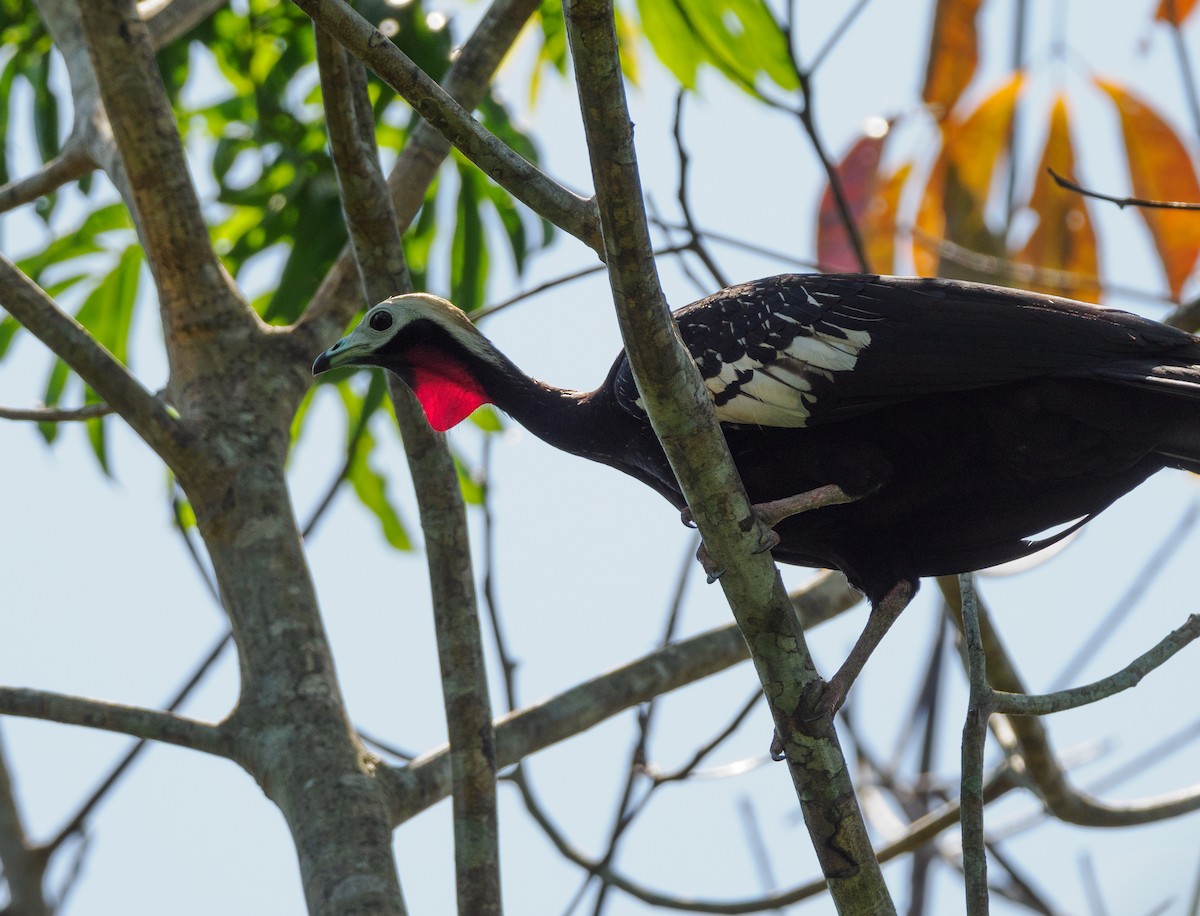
1160	169
929	227
953	54
976	144
879	221
1063	239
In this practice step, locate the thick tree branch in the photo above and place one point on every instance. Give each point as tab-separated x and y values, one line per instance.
973	743
682	416
67	339
524	181
116	717
380	254
24	865
196	295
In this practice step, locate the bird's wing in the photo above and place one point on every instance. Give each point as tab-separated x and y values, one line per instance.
800	350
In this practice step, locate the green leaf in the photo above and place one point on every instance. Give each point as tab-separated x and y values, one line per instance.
369	485
468	252
83	241
8	329
473	491
487	419
740	38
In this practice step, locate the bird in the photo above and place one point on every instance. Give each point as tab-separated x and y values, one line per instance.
891	428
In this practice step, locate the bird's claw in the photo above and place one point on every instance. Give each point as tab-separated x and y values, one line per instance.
711	569
687	518
778	752
768	539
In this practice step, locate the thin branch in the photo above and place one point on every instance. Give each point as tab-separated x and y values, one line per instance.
523	180
1129	676
71	164
376	240
973	742
68	339
541	725
1123	202
918	833
77	822
1060	798
682	416
116	717
56	414
1127	602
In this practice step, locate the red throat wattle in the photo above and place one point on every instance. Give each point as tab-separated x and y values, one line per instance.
447	391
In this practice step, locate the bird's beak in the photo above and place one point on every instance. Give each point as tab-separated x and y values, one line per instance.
341	353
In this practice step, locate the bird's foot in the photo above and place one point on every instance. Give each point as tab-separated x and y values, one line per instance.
711	569
883	614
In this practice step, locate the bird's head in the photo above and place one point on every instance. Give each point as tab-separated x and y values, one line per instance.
431	345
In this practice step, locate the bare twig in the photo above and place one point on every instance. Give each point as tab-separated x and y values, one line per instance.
115	717
77	822
1123	202
533	728
1129	676
1129	599
66	338
56	414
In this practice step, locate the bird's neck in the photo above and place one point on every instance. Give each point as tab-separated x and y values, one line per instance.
451	384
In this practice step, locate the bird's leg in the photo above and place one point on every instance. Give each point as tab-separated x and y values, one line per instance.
883	614
770	514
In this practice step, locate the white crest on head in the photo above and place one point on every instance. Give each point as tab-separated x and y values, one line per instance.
404	310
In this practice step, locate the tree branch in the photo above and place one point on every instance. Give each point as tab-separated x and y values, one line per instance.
519	734
380	254
1130	676
67	339
115	717
196	295
56	414
1123	202
1060	798
682	416
24	866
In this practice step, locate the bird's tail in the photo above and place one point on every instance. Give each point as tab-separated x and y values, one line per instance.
1180	447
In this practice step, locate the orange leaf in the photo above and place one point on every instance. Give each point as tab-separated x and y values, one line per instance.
1063	239
879	222
929	228
1174	11
976	144
953	54
1160	169
858	172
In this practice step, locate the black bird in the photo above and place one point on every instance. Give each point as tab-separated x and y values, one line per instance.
915	427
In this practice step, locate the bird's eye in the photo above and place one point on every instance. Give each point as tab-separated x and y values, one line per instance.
380	321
